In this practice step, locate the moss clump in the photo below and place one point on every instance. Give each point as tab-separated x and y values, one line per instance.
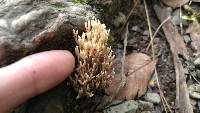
81	1
111	40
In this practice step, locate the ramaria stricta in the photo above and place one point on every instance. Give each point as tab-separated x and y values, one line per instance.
94	69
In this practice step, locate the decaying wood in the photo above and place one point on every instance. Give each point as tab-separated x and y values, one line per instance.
177	47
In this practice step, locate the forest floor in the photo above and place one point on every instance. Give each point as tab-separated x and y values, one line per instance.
175	47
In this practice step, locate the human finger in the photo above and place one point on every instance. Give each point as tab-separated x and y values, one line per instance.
33	75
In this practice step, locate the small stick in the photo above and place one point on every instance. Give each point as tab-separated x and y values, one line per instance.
180	18
153	52
123	79
156	32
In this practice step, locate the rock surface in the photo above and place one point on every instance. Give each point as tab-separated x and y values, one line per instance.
187	39
28	26
197	62
130	106
147	106
194	91
153	98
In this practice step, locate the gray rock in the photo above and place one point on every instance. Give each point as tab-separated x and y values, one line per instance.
132	41
136	28
194	91
130	106
29	26
146	38
115	102
187	39
146	33
185	70
197	62
153	98
147	106
195	46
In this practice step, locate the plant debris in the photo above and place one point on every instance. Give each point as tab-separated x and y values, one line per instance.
138	70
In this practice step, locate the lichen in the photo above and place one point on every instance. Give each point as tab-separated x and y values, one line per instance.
94	68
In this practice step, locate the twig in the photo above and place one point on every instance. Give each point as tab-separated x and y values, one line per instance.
156	32
137	69
180	18
153	52
195	78
161	93
190	2
123	79
159	33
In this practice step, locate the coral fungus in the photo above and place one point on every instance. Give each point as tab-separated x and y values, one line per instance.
94	68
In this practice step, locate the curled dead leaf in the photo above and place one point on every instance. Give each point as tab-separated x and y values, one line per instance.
138	70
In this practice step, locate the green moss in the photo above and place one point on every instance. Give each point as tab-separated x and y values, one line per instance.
59	7
81	1
120	19
110	40
64	9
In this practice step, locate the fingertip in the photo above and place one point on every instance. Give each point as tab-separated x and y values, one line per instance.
71	61
33	75
50	66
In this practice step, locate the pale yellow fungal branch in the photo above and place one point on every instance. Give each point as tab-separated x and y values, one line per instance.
94	69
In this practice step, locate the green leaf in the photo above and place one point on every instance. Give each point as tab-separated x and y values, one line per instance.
190	18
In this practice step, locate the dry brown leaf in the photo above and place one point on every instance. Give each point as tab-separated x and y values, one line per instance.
138	69
175	3
115	82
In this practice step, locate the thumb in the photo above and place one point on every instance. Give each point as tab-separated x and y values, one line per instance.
33	75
